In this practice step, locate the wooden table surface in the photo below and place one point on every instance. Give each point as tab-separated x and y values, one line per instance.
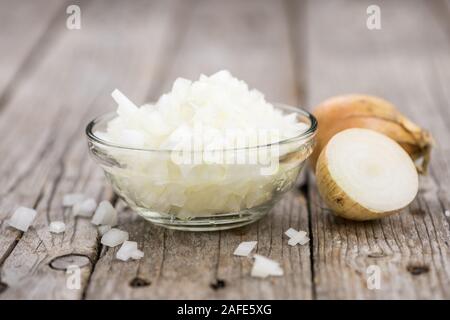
54	80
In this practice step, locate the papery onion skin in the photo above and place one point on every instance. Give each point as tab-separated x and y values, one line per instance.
337	199
370	112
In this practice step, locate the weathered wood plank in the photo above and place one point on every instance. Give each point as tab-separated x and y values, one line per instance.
48	114
405	62
25	28
251	40
402	62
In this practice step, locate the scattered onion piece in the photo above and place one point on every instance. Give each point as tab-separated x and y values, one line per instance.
301	239
22	218
137	254
71	199
244	248
103	229
264	267
126	250
291	232
114	237
57	227
85	208
296	237
105	214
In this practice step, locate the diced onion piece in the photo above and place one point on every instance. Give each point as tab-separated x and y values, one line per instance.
137	254
71	199
105	214
296	237
264	267
244	248
85	208
291	232
126	250
22	218
301	239
103	229
125	104
114	237
132	138
304	240
57	227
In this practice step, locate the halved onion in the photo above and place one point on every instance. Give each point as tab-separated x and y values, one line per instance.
364	175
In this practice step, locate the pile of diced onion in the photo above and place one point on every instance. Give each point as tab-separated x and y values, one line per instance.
216	104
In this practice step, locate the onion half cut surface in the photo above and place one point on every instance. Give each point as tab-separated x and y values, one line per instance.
364	175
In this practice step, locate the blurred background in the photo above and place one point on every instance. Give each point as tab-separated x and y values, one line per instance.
297	52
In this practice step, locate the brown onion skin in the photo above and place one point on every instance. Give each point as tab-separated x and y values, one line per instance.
370	112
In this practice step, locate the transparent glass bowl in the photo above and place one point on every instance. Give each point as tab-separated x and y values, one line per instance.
178	191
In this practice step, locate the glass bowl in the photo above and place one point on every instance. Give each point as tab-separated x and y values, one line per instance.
200	190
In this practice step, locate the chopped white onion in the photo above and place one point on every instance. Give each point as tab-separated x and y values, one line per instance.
215	112
114	237
71	199
105	214
22	218
264	267
103	229
300	239
57	227
126	107
245	248
132	138
126	250
291	232
296	237
85	208
137	254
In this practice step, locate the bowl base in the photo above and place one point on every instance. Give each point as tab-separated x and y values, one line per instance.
207	223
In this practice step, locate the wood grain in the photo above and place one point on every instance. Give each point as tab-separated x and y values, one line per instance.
53	80
399	63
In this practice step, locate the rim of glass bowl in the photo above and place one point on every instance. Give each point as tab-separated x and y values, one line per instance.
306	135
